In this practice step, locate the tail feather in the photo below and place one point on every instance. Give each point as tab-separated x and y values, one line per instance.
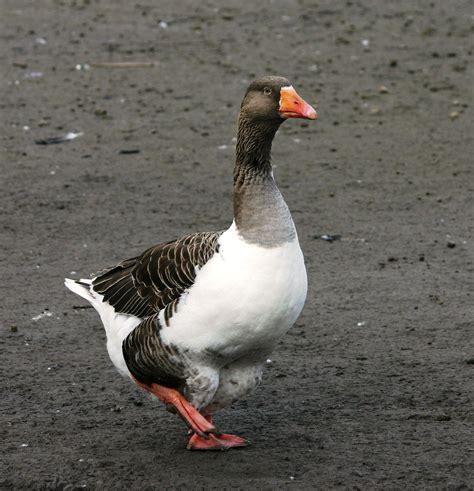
81	288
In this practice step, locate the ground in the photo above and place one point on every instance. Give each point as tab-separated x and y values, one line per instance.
372	388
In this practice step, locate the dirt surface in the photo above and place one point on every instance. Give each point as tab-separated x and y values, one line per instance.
372	389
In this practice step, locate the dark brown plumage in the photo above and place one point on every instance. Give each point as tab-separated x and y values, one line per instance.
146	284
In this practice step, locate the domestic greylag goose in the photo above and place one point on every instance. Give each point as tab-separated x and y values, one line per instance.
193	320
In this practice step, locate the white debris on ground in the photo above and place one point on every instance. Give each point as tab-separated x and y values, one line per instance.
45	313
72	136
32	75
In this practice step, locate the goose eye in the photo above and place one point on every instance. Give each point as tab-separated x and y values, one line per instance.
267	91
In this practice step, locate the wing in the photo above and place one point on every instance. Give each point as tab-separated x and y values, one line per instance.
146	284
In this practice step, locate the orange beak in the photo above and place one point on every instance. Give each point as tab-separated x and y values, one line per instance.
293	106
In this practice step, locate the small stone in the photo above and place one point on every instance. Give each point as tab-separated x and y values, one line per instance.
383	89
454	115
101	113
129	151
14	329
451	244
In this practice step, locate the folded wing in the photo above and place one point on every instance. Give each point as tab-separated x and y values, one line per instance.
144	285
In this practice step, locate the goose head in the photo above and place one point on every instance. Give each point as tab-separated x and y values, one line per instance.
274	99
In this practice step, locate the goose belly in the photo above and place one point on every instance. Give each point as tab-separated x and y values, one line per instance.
243	300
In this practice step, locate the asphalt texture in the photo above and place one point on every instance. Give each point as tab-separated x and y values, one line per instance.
372	388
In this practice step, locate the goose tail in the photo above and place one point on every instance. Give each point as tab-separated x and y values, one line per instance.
82	288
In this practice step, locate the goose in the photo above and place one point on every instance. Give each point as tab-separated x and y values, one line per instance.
193	321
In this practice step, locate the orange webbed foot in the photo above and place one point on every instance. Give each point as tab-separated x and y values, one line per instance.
213	442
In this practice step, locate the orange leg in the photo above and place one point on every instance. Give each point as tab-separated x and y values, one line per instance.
200	425
223	441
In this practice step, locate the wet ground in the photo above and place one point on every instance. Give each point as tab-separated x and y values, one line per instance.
372	389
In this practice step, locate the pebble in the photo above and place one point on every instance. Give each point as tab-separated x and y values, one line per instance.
129	151
329	237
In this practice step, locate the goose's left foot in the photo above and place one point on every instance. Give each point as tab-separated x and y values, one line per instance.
214	442
220	441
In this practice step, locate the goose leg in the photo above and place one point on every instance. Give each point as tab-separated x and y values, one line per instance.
222	441
171	397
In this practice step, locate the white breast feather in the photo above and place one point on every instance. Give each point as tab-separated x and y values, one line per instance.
246	297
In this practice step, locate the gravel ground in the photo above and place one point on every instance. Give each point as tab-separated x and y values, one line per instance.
372	389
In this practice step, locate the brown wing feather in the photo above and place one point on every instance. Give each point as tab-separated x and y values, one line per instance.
146	284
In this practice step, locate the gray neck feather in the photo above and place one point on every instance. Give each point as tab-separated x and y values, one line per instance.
261	215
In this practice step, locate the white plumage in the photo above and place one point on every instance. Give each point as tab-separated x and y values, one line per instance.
244	298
